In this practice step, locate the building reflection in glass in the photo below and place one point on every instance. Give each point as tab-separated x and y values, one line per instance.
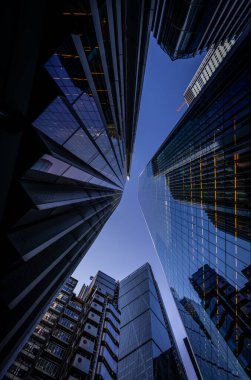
195	196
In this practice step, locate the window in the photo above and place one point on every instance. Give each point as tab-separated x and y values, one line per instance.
75	305
55	349
47	366
41	331
63	297
60	334
56	306
19	368
67	289
31	347
49	317
71	314
66	323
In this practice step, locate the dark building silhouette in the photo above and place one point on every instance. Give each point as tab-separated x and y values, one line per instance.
84	336
71	79
185	28
195	195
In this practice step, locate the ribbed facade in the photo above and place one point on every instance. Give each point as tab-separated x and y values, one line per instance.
86	336
185	28
212	60
71	80
77	337
195	195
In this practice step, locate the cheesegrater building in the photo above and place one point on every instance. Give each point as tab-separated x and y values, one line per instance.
69	102
110	330
195	196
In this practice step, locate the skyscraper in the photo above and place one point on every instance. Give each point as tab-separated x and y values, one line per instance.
71	80
147	349
212	60
80	336
195	195
184	28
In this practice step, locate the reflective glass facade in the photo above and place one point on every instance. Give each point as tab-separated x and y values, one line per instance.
146	349
70	90
195	195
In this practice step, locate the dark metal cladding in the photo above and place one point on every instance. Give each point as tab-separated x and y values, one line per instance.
185	28
71	77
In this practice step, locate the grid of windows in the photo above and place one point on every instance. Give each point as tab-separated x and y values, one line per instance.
195	195
47	366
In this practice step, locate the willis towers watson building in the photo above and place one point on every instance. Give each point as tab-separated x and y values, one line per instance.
195	195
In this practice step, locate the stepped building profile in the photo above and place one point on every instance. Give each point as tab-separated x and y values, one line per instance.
110	330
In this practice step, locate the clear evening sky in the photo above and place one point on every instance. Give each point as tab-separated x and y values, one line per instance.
124	244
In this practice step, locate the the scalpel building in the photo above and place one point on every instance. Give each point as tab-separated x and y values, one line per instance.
195	196
185	28
71	79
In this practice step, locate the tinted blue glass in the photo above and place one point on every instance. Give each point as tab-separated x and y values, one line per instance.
195	197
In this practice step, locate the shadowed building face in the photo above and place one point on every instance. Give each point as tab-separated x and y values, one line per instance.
69	101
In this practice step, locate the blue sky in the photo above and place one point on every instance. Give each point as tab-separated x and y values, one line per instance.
124	244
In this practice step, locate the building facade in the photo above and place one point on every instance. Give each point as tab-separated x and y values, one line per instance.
69	102
195	196
147	349
77	337
212	60
87	336
185	28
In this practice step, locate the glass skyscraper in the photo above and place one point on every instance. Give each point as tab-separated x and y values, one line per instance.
71	81
195	196
146	348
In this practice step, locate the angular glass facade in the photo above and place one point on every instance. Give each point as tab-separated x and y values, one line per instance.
185	28
69	103
195	196
145	350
